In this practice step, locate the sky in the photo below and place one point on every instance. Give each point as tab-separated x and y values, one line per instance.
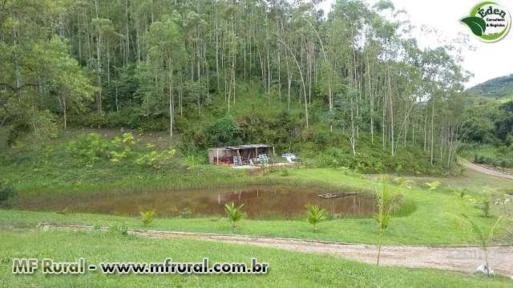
485	61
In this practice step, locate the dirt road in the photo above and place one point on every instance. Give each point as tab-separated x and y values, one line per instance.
485	170
463	259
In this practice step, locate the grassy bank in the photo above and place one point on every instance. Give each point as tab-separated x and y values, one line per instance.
287	269
496	156
428	225
436	218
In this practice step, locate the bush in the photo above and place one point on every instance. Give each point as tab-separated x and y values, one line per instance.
90	148
195	159
124	149
4	138
156	160
186	213
315	215
224	131
147	216
7	194
233	213
403	207
497	156
484	206
371	159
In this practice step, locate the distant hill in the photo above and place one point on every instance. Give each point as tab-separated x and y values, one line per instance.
496	88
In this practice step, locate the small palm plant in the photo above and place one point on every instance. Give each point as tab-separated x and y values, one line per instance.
147	216
233	213
315	215
484	236
384	215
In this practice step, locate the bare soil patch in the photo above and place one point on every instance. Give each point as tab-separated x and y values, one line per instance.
462	259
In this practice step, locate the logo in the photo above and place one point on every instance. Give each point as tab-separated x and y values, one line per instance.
489	21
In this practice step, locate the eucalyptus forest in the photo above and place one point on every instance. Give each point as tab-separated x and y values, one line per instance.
353	75
324	143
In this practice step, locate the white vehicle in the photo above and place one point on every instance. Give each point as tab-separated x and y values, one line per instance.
291	158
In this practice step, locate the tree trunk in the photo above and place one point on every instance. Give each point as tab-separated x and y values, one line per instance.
289	83
65	113
371	97
116	95
217	55
380	243
127	34
432	132
353	136
171	104
98	65
302	81
391	102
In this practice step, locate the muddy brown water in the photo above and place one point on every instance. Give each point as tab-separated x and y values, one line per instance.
259	202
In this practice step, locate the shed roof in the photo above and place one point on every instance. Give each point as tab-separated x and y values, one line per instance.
242	147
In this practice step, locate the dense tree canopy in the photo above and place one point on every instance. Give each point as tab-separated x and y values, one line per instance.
176	65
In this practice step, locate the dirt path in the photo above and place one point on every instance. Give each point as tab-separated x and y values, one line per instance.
463	259
485	170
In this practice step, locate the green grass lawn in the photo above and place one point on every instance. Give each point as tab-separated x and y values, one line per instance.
474	182
437	219
287	269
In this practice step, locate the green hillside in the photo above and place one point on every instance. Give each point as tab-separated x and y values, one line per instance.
496	87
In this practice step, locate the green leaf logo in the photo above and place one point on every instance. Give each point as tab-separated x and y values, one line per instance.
476	24
488	21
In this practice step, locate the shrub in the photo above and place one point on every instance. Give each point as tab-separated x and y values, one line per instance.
7	193
155	159
224	131
370	159
315	215
89	148
95	120
484	206
124	149
186	213
195	159
147	216
403	207
233	213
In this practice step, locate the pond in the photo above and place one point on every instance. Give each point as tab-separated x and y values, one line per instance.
260	202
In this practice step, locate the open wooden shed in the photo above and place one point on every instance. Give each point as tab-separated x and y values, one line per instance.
239	155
